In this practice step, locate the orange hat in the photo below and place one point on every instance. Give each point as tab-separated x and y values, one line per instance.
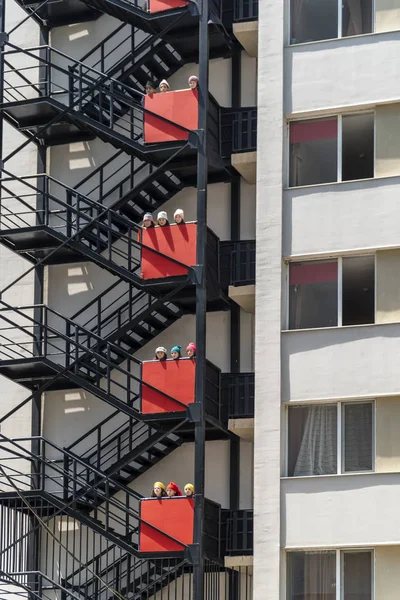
173	486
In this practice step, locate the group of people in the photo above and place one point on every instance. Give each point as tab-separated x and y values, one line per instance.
171	491
176	352
162	219
151	86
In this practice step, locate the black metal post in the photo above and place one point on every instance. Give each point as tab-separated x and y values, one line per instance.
201	304
2	42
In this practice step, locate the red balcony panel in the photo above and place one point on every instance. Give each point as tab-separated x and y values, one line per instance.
177	242
160	5
173	516
181	107
173	377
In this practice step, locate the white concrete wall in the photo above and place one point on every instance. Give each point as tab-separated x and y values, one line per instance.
348	510
342	73
342	362
11	265
267	432
341	217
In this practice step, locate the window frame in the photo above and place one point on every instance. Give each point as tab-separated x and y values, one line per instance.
340	552
340	456
339	119
339	30
339	291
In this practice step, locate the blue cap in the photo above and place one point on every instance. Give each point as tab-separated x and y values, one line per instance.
176	349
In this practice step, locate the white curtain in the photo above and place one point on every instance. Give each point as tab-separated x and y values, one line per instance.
318	449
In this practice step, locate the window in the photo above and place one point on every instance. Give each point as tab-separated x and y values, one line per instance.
315	152
328	293
313	575
314	20
313	434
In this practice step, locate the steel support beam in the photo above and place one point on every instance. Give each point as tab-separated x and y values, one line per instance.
201	305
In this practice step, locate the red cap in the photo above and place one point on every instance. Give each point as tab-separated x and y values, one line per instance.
191	346
173	486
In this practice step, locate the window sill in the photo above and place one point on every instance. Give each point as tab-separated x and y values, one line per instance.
340	39
333	183
330	476
335	327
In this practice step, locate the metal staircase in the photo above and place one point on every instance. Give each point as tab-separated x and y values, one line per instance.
70	516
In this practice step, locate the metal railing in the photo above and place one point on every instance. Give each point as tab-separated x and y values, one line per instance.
245	10
238	130
238	262
239	532
238	393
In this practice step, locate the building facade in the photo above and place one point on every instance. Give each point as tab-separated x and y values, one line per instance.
327	299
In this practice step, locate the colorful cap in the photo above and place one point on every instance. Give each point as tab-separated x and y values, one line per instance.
189	486
148	217
191	346
173	486
159	484
176	349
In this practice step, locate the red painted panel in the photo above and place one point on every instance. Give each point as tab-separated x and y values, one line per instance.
173	516
159	5
181	107
173	377
175	241
318	272
310	131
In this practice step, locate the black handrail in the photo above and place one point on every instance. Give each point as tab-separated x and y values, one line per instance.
238	130
245	10
238	394
239	532
238	262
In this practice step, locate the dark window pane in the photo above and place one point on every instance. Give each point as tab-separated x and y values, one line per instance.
313	152
311	575
357	584
358	437
313	20
313	294
357	147
356	17
312	440
358	304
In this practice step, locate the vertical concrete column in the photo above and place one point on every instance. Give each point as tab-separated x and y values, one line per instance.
268	302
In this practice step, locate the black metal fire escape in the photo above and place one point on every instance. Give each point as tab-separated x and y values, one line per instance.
70	518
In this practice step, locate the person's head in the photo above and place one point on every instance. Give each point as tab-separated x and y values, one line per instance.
151	88
191	350
161	353
173	490
179	216
162	218
194	82
148	220
189	490
176	352
158	490
164	86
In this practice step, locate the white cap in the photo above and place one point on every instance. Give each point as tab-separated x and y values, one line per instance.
180	212
162	215
165	82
